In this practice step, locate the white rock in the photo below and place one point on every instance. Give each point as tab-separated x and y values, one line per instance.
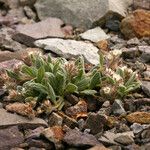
81	13
70	48
94	35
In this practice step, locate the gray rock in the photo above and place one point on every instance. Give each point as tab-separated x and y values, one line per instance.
10	137
83	13
95	122
33	134
55	120
124	140
133	42
94	35
146	74
51	27
146	87
117	108
70	48
113	24
9	119
130	52
108	138
6	41
78	139
145	57
137	128
146	134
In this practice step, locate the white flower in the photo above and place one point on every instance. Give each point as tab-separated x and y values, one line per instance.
109	56
116	52
130	71
109	71
106	90
117	77
123	68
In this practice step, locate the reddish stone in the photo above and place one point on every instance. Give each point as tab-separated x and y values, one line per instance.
136	24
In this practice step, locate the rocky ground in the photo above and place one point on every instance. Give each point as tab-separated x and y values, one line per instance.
69	29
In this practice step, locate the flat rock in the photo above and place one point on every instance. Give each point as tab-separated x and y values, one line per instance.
6	41
108	138
51	27
83	13
139	117
146	87
94	35
79	139
124	140
136	24
10	64
9	119
70	49
10	137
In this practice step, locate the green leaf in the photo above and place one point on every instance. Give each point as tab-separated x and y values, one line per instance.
60	83
71	88
50	78
38	87
88	92
83	84
120	72
49	58
131	79
40	74
95	80
51	93
30	71
13	75
110	80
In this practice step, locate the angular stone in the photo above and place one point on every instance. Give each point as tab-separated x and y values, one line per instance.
55	120
21	109
145	50
33	134
117	108
14	57
11	64
77	111
55	135
82	14
79	139
6	41
95	122
139	117
9	119
136	24
94	35
146	87
108	137
51	27
124	139
10	137
70	49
